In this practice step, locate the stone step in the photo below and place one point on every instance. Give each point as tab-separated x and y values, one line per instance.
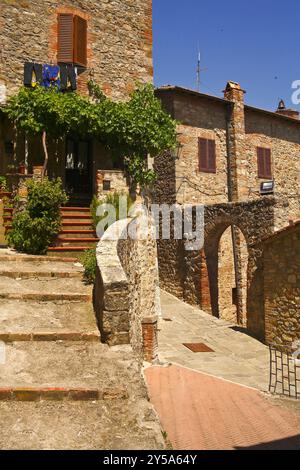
39	269
11	255
37	321
41	289
79	425
67	365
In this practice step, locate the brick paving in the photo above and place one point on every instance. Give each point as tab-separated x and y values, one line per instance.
201	412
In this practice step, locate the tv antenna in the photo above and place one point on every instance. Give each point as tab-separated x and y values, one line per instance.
199	70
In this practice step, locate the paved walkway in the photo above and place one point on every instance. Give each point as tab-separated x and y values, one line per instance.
237	357
200	412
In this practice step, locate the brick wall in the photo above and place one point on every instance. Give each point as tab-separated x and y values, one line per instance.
119	40
282	286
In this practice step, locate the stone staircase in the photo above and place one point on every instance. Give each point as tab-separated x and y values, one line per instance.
60	387
77	232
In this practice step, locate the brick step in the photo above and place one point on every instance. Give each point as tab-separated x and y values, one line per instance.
76	226
77	217
5	194
10	337
29	394
65	250
74	242
72	209
75	232
64	365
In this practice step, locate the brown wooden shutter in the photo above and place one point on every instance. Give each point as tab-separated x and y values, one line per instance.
212	156
268	164
65	38
80	41
260	162
203	154
264	163
207	155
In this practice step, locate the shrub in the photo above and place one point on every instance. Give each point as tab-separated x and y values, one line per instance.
89	261
34	229
3	183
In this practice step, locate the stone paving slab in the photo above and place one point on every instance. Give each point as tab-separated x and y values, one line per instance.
69	365
237	357
106	425
17	316
201	412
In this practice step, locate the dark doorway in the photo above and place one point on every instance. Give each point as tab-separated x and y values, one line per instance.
78	182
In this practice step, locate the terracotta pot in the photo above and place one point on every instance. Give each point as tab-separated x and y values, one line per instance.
22	170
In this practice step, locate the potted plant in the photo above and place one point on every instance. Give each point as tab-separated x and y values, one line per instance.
22	168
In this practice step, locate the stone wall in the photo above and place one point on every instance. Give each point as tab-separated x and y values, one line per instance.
282	136
119	40
237	130
111	181
198	117
282	286
127	289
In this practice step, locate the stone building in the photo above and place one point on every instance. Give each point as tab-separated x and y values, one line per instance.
109	41
282	286
233	159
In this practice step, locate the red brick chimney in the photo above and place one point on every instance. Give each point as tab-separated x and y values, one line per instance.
292	113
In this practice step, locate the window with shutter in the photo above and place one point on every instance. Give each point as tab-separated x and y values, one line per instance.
65	38
207	155
264	163
72	39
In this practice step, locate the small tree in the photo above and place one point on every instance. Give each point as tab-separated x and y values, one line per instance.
47	113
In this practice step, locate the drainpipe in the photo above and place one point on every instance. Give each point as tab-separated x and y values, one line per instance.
230	198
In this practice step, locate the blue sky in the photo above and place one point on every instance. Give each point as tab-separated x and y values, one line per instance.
256	43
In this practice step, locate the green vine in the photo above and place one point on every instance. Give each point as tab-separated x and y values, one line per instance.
131	130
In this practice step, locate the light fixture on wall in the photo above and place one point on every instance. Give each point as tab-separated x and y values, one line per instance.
179	148
267	187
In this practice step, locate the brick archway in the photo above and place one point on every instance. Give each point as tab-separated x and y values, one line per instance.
255	220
